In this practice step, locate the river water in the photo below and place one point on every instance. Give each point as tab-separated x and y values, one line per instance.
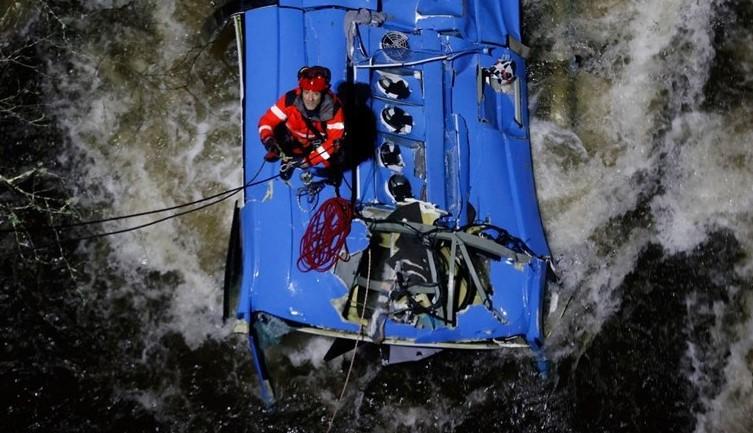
643	151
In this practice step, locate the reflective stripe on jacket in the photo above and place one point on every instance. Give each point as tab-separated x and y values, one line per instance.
328	119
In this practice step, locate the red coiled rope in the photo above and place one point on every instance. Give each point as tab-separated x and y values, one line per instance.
325	236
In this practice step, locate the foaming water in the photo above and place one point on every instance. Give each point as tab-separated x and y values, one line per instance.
603	178
155	122
644	161
729	409
710	165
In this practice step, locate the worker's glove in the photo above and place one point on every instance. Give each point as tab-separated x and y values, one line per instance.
273	149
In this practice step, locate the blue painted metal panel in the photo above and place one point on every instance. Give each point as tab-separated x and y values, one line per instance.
268	71
474	20
524	194
402	14
457	170
510	15
433	74
324	42
450	8
537	280
490	21
488	152
492	197
274	46
310	4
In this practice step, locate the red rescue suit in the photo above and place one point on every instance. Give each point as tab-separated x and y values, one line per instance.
328	119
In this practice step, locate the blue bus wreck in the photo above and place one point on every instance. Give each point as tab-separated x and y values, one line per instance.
443	241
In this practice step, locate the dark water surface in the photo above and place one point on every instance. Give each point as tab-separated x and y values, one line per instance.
643	148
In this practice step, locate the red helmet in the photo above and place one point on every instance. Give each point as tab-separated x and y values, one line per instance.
314	78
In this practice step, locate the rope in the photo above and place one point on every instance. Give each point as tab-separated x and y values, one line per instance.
223	196
355	346
325	235
231	191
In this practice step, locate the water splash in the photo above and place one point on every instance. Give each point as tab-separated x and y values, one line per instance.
608	181
152	125
644	161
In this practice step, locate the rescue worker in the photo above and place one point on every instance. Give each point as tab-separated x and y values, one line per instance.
313	122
